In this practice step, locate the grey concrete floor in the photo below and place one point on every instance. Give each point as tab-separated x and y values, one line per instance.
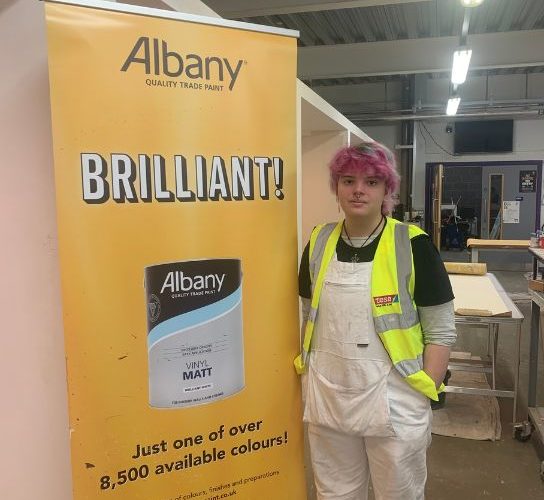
502	470
505	469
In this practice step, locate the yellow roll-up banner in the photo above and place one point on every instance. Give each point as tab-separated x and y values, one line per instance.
175	165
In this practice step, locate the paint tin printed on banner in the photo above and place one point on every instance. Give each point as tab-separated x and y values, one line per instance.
195	336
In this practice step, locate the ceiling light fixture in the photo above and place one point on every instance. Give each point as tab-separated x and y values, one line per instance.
461	61
453	104
471	3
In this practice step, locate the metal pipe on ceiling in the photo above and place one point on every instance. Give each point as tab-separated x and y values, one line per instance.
487	114
502	104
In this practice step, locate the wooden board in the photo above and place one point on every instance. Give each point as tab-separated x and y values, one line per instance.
477	268
476	296
497	244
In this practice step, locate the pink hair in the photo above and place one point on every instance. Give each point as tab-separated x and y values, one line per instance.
370	158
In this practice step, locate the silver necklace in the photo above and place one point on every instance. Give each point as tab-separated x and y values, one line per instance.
355	256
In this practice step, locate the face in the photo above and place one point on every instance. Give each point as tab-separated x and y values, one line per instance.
361	195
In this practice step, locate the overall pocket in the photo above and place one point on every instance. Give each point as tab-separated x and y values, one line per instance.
347	316
342	400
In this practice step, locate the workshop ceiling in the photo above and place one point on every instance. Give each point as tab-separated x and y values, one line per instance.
363	24
331	23
348	43
361	55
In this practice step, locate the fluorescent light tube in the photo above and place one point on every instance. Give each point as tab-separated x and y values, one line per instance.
471	3
461	60
453	104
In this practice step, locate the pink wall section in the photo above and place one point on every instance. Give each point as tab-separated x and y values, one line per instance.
34	454
319	203
34	428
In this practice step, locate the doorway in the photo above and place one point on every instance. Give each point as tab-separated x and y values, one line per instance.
486	200
506	186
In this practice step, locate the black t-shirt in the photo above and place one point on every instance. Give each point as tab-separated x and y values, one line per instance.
432	285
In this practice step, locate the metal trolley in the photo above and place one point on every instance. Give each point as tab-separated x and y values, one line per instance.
492	323
535	422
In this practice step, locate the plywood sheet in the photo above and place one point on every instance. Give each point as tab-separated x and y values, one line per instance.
476	296
497	244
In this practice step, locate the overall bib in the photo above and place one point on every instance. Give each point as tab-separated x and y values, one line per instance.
364	419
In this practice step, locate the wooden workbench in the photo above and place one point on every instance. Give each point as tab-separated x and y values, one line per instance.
475	245
536	413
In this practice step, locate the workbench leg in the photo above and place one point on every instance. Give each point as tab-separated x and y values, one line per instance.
496	338
491	335
533	353
473	255
516	374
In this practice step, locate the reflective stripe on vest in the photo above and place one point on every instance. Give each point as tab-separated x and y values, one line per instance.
393	309
324	246
407	317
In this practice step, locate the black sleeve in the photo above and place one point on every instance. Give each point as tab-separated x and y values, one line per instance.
432	284
304	282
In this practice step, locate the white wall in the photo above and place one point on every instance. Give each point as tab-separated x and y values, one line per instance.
388	135
528	145
480	88
369	96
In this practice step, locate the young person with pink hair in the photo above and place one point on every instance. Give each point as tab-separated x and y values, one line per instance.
379	323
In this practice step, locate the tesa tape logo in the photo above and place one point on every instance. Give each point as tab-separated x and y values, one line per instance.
385	300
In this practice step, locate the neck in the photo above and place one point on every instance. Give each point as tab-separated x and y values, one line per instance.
360	227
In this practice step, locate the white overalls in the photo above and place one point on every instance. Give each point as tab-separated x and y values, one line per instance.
364	419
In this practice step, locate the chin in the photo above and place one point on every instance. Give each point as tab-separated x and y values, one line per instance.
360	212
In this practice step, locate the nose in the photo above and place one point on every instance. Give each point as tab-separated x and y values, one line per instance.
358	190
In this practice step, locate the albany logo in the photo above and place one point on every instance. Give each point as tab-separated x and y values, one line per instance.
385	300
156	58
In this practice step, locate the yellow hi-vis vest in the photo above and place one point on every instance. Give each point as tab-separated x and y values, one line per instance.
392	290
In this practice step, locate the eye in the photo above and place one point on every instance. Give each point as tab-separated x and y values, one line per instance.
347	181
372	182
